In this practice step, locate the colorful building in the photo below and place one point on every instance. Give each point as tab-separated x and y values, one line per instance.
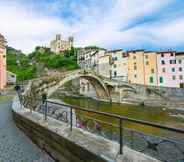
150	68
136	68
2	62
180	69
170	69
142	67
119	66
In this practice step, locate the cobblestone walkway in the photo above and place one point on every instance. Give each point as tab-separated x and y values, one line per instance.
15	146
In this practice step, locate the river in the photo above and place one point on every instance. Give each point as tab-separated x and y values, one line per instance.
153	114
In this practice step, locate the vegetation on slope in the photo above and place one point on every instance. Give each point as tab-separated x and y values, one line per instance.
30	66
19	63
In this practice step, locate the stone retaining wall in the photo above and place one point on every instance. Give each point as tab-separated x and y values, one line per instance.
64	145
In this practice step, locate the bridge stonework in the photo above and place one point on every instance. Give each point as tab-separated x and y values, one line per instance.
51	83
106	89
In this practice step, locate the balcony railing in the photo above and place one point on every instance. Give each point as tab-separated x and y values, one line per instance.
161	142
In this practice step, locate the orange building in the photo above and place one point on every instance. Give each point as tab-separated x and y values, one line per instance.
142	67
2	62
150	68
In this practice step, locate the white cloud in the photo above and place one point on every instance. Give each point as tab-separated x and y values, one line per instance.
104	25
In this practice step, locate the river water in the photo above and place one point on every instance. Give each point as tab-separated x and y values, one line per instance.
161	144
153	114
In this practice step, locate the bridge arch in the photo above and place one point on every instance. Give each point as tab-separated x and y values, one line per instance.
50	84
100	87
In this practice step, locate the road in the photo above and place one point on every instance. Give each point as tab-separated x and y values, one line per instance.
15	146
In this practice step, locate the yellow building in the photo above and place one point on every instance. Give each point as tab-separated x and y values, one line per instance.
150	68
136	67
142	67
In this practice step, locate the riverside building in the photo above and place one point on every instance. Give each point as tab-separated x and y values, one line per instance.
2	62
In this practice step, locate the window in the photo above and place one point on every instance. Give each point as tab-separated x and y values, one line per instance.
181	77
163	62
174	77
115	73
163	70
135	76
161	79
115	66
162	55
114	58
173	69
172	54
146	56
147	62
151	79
134	57
172	61
152	71
135	67
179	61
180	69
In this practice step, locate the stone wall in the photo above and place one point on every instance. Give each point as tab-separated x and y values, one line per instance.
64	145
153	96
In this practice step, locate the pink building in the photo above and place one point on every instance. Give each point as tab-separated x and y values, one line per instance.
170	69
2	62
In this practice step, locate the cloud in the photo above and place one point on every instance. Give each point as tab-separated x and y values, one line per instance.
106	23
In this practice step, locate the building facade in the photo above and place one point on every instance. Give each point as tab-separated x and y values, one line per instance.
84	58
170	69
119	65
59	45
87	89
136	68
11	78
104	66
3	79
150	68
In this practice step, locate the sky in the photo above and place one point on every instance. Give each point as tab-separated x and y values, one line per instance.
111	24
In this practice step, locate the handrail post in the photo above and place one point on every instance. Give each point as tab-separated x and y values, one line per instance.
120	137
71	118
45	113
44	101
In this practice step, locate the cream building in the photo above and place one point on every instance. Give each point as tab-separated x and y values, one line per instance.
2	62
104	65
59	45
119	65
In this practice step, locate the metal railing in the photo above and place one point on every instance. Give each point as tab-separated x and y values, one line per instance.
48	108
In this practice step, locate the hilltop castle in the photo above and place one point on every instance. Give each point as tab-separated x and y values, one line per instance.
59	45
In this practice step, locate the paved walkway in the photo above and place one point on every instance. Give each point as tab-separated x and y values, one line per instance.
15	146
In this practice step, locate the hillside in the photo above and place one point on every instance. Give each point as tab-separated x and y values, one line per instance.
38	62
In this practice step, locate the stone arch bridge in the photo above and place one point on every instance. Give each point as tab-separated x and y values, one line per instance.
104	88
50	84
